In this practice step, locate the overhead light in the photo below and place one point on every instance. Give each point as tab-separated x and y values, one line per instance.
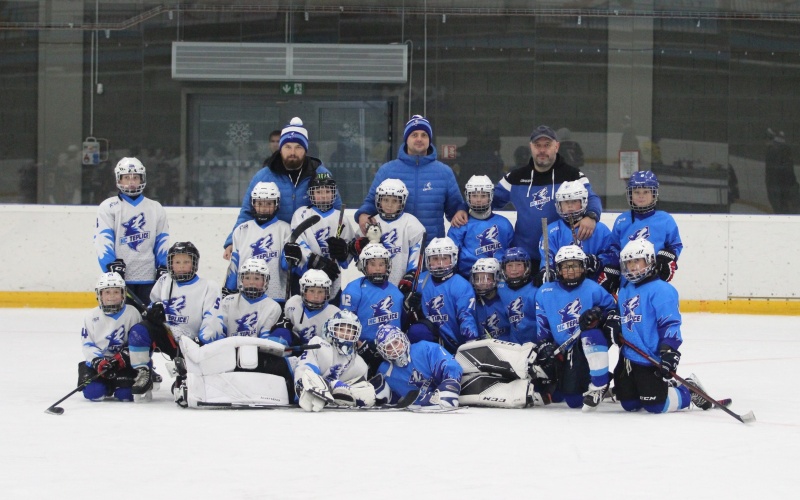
579	20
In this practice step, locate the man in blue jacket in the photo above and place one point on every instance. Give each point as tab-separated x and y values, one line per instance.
432	187
292	170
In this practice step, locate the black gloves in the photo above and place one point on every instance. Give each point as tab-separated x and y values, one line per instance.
357	245
609	279
666	265
669	361
155	313
590	319
325	265
292	254
406	283
337	248
118	266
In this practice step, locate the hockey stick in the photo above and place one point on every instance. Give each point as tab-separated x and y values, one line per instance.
570	340
296	232
745	419
54	409
340	226
546	246
420	261
304	347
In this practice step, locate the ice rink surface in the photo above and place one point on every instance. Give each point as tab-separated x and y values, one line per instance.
158	450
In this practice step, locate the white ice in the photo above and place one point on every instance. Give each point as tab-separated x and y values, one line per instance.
158	450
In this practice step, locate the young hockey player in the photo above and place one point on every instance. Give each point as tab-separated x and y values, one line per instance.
517	293
261	238
485	234
601	248
104	338
423	365
575	305
334	373
490	312
131	234
644	221
320	245
651	321
181	303
444	302
305	315
401	233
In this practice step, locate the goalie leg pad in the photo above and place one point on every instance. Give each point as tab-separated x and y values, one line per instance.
358	394
247	357
495	392
506	359
236	387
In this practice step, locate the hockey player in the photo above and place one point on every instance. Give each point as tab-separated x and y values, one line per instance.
401	233
304	315
601	248
181	303
517	293
491	315
104	338
575	305
445	302
261	238
423	365
651	321
131	234
644	221
319	245
334	373
485	234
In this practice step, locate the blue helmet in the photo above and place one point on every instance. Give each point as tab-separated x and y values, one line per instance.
393	344
647	180
517	254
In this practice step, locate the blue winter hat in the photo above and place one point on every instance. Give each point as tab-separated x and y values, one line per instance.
295	132
417	122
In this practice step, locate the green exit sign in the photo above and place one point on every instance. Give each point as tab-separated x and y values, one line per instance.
292	89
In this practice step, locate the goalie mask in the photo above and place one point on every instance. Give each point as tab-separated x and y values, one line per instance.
479	193
130	166
634	269
343	330
110	291
510	275
369	263
572	198
484	275
639	184
322	191
390	198
253	278
436	254
265	200
393	345
182	261
315	289
570	265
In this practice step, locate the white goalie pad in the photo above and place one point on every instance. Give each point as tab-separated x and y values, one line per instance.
248	357
506	359
239	388
495	392
221	356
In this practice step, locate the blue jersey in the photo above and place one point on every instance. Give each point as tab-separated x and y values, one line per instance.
520	307
601	244
658	227
430	364
479	239
450	305
558	308
492	319
374	305
650	317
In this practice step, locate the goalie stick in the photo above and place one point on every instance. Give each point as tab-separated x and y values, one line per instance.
403	403
296	232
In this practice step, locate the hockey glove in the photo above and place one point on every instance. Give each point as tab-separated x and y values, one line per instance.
107	367
413	302
227	291
155	313
546	362
118	266
337	248
357	245
669	361
590	319
383	394
312	391
292	254
666	265
611	328
446	395
609	279
406	282
592	264
325	265
358	394
543	277
368	351
161	271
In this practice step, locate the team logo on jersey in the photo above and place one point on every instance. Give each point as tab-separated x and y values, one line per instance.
246	325
569	315
115	340
322	235
262	249
427	187
335	371
134	232
389	240
540	198
629	316
435	306
492	326
417	379
641	233
515	313
173	308
308	332
382	312
487	241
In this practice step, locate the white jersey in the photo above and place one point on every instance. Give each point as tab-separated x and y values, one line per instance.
134	230
105	335
305	322
314	239
239	316
250	240
330	363
402	237
189	307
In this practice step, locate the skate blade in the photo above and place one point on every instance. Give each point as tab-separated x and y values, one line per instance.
143	398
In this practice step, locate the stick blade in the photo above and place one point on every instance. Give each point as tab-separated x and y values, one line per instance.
54	410
748	418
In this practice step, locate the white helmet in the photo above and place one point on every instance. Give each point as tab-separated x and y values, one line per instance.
479	184
639	248
110	280
315	278
130	166
265	191
253	266
375	251
441	246
572	190
569	253
393	344
484	285
391	187
343	330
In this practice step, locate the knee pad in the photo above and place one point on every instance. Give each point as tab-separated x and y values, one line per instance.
574	400
632	405
95	391
139	336
123	394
